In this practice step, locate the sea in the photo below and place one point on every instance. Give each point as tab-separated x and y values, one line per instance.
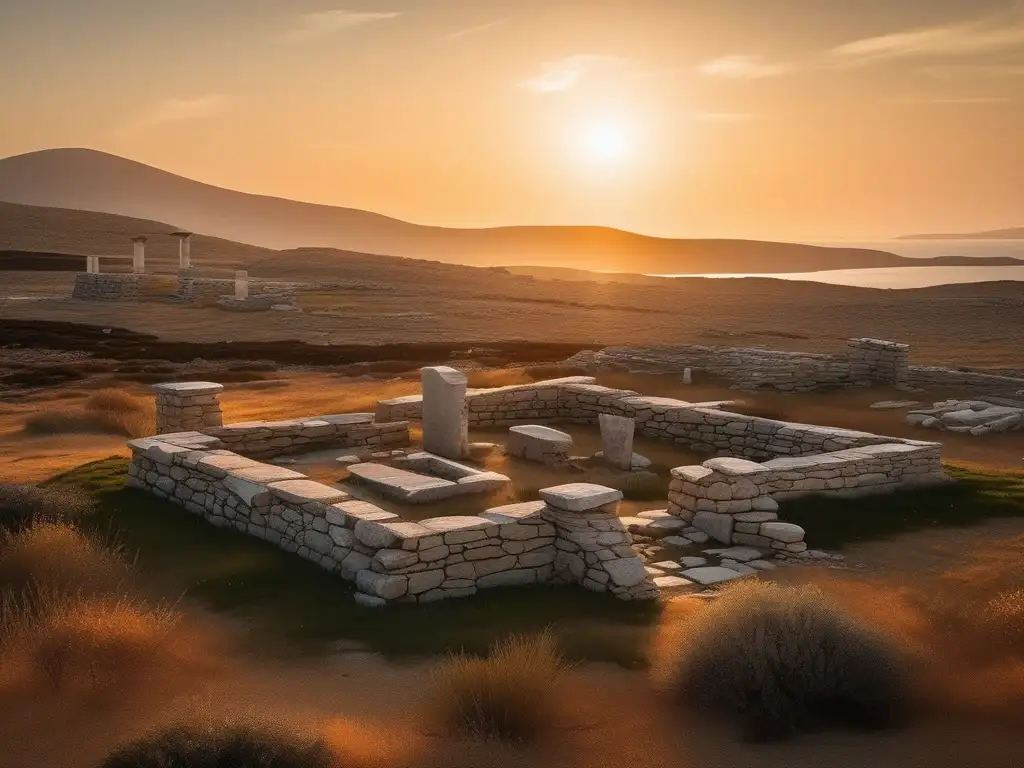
911	277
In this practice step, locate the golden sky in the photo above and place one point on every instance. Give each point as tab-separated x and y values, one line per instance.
780	119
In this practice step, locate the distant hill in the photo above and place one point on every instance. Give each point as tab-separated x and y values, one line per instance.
1013	233
95	181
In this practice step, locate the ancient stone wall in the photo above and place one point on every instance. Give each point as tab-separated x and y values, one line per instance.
267	439
187	406
862	363
931	377
99	286
390	560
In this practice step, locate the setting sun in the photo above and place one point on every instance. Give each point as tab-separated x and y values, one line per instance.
606	142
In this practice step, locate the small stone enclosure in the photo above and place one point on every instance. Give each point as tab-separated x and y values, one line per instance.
571	534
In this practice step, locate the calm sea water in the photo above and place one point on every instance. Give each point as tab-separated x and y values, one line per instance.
914	277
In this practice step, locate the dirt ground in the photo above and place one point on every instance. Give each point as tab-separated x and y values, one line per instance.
977	325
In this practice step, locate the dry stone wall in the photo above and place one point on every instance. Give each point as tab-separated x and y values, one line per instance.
389	560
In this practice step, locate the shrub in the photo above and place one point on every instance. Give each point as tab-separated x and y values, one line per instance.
61	557
109	411
96	644
1002	619
23	505
225	747
510	695
783	659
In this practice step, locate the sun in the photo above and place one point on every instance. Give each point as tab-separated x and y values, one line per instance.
605	142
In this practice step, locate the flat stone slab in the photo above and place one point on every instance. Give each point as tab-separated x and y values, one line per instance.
511	513
401	484
545	434
671	582
732	467
740	554
346	418
893	405
579	497
189	388
303	491
711	574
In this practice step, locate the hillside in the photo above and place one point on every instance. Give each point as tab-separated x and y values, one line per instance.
1012	233
96	181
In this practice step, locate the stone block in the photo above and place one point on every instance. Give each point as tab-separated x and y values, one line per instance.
617	439
579	497
445	412
718	527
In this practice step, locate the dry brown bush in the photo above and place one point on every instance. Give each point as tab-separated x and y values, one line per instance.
61	557
786	659
224	747
511	695
23	505
99	645
108	411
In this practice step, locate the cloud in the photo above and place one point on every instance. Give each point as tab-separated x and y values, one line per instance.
743	67
180	110
565	73
724	117
310	26
476	30
968	38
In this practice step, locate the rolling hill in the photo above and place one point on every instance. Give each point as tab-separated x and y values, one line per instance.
1012	233
95	181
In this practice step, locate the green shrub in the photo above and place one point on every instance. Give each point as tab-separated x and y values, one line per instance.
23	505
511	695
783	660
226	747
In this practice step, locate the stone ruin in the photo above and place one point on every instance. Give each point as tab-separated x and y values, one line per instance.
237	294
863	363
571	534
993	415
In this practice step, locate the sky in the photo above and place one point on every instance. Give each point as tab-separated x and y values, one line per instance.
814	120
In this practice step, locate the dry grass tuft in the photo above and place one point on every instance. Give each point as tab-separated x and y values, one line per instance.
24	505
223	747
61	557
1002	620
509	696
783	660
109	411
100	645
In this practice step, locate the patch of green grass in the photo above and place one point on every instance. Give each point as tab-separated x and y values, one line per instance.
295	606
975	497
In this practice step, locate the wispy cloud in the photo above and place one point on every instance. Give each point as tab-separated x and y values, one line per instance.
179	110
310	26
476	30
743	67
724	117
565	73
966	38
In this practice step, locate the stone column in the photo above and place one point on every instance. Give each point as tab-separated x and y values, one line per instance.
138	255
184	249
445	412
241	285
617	439
188	406
594	547
92	264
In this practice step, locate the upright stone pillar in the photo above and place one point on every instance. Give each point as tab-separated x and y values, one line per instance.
188	406
445	412
594	547
92	264
241	285
617	439
138	255
184	249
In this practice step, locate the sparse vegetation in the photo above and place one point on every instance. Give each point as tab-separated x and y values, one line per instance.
23	505
512	695
223	747
109	411
786	659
